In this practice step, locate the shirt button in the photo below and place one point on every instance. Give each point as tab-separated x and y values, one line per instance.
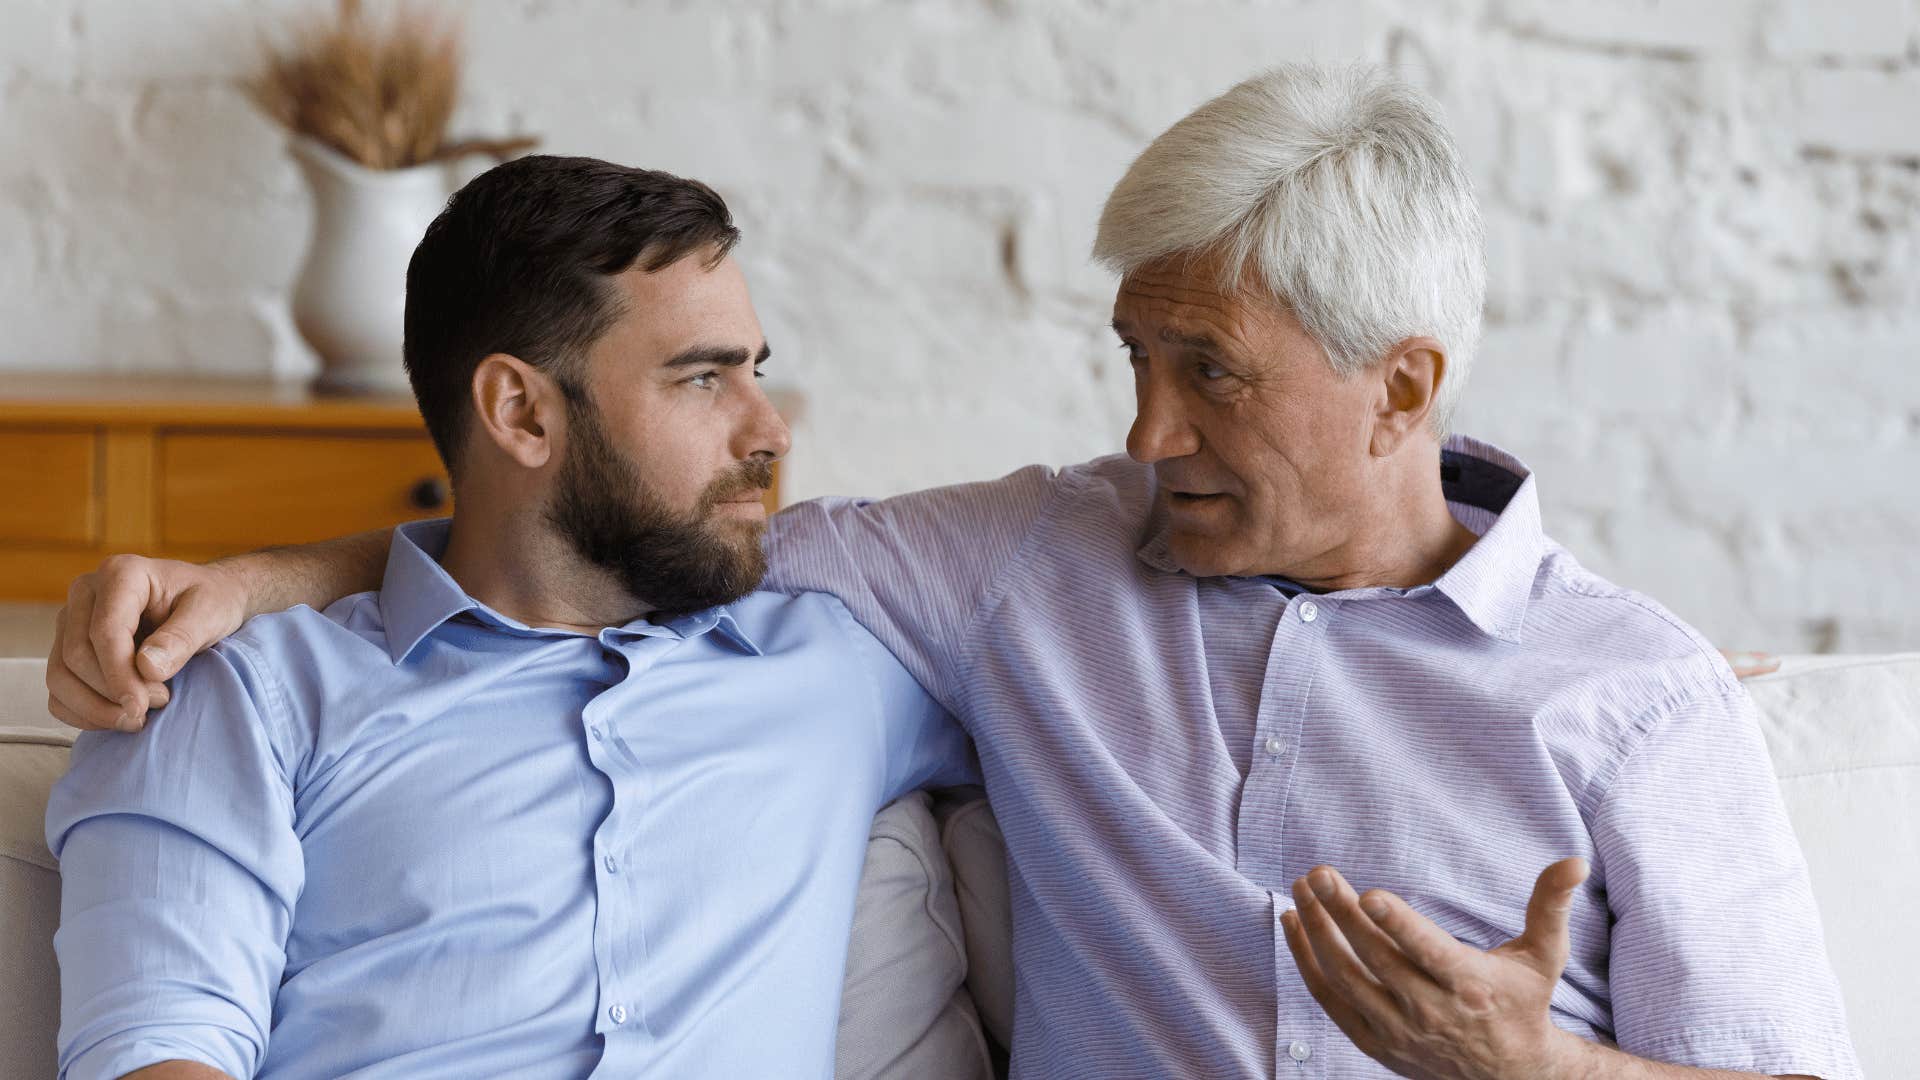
618	1014
608	861
1276	746
1299	1051
1309	611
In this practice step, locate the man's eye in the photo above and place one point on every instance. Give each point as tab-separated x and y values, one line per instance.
706	380
1210	372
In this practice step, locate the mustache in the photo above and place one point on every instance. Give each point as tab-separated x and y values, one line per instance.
750	477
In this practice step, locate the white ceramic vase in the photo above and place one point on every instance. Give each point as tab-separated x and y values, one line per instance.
350	301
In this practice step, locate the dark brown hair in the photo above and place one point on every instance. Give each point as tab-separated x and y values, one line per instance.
519	263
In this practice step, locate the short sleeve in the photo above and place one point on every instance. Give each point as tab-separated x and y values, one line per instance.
1717	959
180	870
912	569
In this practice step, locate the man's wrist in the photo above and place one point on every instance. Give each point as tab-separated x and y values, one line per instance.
1569	1057
251	575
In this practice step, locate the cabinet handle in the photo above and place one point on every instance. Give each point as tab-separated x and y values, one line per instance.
429	493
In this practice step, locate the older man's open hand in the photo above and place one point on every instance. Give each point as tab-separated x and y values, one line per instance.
1420	1002
1428	1006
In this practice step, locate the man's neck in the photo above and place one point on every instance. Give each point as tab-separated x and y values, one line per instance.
1406	537
513	562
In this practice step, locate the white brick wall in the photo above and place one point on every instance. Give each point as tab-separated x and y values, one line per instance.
1704	234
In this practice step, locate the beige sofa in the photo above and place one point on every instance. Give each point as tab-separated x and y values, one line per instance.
929	977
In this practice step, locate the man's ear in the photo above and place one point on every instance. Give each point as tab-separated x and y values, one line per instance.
1410	378
518	408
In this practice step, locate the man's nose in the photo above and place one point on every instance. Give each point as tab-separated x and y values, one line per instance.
765	433
1160	428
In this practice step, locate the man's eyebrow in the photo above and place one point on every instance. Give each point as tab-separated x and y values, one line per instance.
717	356
1202	342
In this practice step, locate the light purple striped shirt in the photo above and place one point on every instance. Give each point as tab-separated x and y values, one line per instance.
1166	754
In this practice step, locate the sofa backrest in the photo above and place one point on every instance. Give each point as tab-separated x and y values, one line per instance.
33	754
1844	732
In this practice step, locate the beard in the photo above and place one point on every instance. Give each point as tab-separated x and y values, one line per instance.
677	563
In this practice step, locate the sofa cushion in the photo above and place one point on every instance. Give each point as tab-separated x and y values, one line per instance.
23	695
30	761
979	857
1844	734
904	1012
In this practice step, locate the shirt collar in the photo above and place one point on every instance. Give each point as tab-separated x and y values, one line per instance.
1492	493
418	596
1489	491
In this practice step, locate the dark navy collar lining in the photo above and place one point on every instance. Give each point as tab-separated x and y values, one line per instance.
1477	482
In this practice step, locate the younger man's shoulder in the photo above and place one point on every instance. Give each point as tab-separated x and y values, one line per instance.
352	623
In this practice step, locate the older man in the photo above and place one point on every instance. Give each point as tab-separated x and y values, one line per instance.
1297	627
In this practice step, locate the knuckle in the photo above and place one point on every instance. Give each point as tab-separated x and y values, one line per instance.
120	565
1342	978
1476	996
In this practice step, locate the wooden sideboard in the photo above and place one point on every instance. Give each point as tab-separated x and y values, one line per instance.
196	469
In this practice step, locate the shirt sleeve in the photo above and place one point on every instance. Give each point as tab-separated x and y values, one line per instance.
913	569
924	744
179	873
1717	958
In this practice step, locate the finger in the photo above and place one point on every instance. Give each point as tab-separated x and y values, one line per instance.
196	622
1748	664
121	596
1370	943
75	704
1341	968
73	649
1545	942
1347	1018
1432	950
59	711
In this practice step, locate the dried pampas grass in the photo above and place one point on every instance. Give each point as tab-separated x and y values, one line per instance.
381	95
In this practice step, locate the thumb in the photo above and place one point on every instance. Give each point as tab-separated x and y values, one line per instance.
198	619
1546	939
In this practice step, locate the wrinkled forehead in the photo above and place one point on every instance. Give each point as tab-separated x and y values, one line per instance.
1187	297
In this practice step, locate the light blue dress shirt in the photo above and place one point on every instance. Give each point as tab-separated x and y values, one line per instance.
412	837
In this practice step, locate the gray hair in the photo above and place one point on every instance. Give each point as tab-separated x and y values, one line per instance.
1342	193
